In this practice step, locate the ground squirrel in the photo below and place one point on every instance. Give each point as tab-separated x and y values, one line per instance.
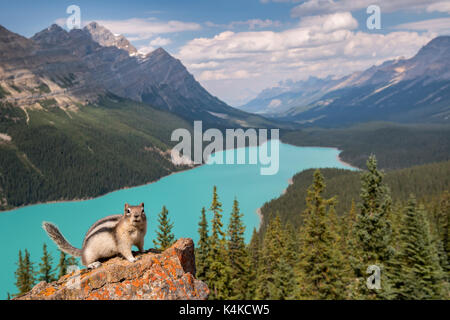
107	237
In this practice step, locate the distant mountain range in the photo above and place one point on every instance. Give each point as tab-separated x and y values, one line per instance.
83	64
401	90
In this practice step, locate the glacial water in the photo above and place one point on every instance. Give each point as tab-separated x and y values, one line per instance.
184	194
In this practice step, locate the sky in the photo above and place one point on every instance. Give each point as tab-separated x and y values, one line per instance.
237	48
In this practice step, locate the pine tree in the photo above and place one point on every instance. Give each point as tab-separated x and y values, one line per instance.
25	275
271	252
283	285
420	275
238	258
62	265
372	235
321	264
45	267
165	237
71	262
202	250
218	275
253	249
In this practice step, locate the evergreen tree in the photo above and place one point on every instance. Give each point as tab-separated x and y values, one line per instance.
218	275
321	264
202	250
72	261
283	285
25	275
238	258
271	252
372	235
253	249
8	297
46	272
165	237
62	265
420	275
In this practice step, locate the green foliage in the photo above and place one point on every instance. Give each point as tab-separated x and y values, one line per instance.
25	274
419	275
426	181
70	155
321	266
63	264
202	250
273	256
46	272
43	88
395	145
238	257
372	233
165	237
219	272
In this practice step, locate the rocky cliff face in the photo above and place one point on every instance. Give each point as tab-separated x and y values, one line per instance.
165	276
77	67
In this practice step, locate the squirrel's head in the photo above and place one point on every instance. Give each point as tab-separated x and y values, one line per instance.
135	214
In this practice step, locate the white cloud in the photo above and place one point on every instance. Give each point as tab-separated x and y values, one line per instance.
235	65
438	25
141	29
223	74
154	44
443	6
315	7
252	24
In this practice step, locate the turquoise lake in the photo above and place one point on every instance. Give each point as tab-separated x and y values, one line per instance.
184	194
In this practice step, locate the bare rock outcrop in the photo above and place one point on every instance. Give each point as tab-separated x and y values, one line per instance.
154	276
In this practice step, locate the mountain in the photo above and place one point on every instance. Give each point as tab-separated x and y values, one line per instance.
80	118
78	66
400	90
106	38
288	94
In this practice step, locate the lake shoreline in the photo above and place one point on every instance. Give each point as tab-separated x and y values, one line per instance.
258	211
291	181
99	196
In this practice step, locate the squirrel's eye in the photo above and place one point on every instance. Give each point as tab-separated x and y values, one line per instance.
128	211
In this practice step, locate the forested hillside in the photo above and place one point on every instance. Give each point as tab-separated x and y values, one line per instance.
310	247
426	182
395	146
55	154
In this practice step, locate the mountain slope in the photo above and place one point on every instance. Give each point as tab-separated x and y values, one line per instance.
60	154
77	67
400	90
288	94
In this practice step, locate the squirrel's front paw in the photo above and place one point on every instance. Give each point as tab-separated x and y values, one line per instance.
132	259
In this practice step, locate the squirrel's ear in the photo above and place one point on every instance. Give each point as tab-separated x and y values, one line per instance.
126	206
142	204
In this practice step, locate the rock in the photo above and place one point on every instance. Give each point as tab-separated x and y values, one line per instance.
154	276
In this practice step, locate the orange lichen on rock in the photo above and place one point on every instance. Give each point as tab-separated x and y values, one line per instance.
166	275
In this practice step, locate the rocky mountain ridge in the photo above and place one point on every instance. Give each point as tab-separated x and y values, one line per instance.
75	67
400	90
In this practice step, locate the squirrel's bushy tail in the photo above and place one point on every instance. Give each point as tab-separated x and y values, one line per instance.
54	234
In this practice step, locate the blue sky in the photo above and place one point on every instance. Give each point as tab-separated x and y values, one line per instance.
236	48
